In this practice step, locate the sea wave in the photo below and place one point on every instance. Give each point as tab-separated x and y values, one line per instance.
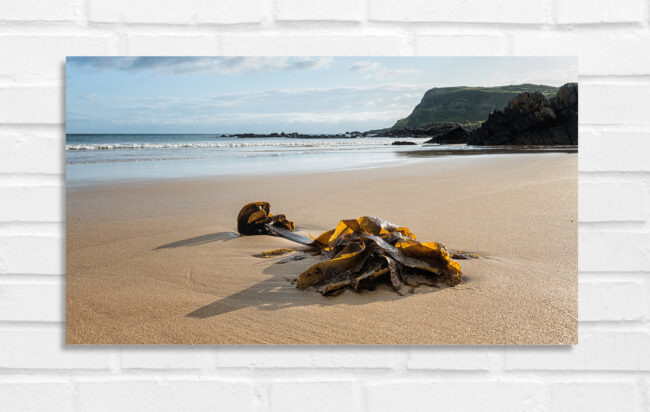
210	145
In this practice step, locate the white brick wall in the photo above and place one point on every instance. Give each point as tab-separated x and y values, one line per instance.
608	371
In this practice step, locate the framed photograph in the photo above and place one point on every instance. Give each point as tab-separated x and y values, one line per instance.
321	200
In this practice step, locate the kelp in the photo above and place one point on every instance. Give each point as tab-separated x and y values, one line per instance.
359	252
274	252
256	219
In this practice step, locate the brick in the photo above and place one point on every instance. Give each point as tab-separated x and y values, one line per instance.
645	388
32	151
455	396
42	58
595	396
173	12
599	11
177	45
320	396
45	349
473	11
590	46
32	302
461	45
32	254
612	201
32	105
166	358
315	45
611	301
339	10
613	251
647	300
619	104
597	350
309	357
448	358
163	395
26	204
36	10
624	151
36	396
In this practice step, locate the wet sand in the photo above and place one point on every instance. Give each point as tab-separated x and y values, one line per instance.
160	262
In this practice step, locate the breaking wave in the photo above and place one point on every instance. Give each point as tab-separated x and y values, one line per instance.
210	145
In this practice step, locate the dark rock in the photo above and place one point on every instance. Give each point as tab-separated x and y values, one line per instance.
454	132
453	136
532	119
403	143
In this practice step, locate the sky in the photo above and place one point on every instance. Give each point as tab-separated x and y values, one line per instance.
275	94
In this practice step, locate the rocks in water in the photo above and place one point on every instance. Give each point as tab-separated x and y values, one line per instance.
430	130
294	135
403	143
532	119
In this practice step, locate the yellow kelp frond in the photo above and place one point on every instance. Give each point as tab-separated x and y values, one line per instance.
459	254
435	254
360	252
323	240
406	232
273	252
348	258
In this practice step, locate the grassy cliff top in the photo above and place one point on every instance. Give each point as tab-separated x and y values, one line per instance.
465	104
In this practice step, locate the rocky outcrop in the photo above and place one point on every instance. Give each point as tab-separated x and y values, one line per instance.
532	119
424	131
464	104
458	134
403	143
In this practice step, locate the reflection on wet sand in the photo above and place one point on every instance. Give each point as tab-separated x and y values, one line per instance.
483	150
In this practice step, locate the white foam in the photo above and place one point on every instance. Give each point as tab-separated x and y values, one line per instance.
215	145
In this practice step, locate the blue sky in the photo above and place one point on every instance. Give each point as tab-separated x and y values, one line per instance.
274	94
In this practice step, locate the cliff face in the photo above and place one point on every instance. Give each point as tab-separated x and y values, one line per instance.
532	119
464	104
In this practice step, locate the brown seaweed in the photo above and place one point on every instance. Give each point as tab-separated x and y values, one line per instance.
359	252
256	219
274	252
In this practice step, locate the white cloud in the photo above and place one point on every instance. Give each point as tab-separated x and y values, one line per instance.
365	66
275	118
221	65
364	104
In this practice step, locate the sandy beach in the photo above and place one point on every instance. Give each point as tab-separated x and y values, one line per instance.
160	262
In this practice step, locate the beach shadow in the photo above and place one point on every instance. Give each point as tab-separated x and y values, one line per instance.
278	292
200	240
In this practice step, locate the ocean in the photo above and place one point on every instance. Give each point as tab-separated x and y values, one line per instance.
104	158
101	158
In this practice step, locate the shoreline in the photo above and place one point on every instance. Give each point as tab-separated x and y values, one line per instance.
143	256
402	154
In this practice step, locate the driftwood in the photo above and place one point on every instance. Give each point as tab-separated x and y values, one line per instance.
359	252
